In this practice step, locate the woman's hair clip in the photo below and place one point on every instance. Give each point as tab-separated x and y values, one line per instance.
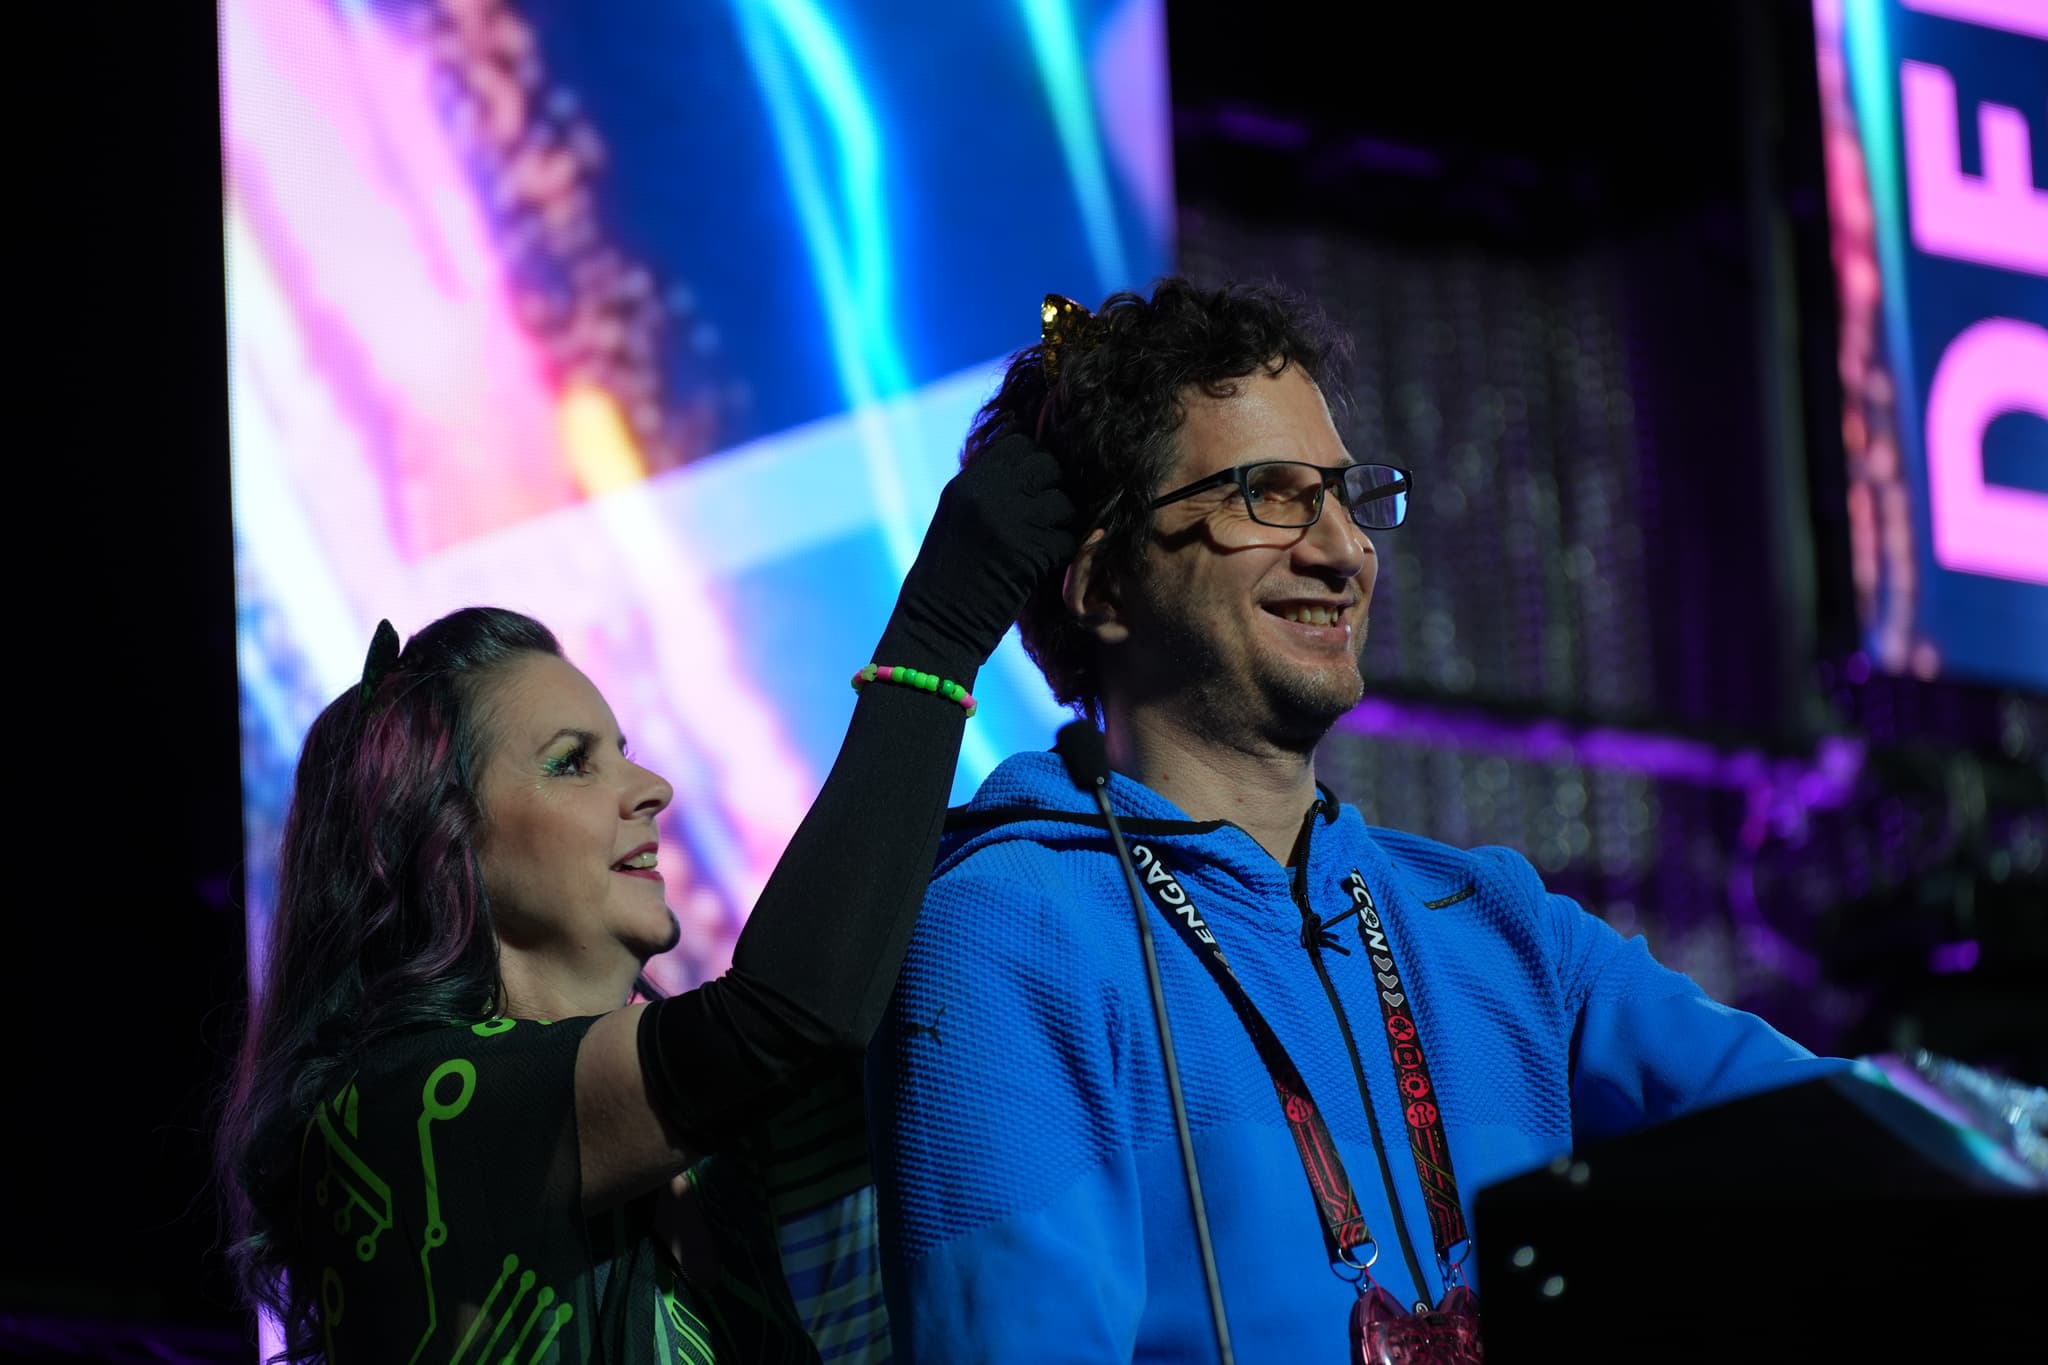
1062	323
379	662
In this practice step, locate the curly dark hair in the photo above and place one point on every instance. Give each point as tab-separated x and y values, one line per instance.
382	924
1111	415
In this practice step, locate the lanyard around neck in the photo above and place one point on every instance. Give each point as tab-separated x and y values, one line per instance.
1344	1227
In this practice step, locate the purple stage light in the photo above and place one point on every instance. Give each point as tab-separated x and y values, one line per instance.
1378	154
1817	782
1953	957
1257	129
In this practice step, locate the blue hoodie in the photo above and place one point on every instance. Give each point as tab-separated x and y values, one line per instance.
1031	1194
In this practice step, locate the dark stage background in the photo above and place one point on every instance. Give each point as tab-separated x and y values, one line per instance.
1585	261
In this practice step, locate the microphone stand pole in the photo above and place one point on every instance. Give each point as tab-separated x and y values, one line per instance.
1087	763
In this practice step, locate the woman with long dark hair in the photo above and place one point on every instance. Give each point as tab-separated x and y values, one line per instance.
447	1137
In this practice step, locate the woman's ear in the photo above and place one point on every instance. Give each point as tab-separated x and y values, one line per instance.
1089	595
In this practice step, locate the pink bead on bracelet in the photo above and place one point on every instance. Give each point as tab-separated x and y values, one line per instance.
910	677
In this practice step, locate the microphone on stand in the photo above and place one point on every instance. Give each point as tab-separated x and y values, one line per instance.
1080	748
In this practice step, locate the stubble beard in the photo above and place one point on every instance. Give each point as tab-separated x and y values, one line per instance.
1302	708
1267	701
1299	707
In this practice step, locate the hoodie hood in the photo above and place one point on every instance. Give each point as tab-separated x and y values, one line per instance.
1029	796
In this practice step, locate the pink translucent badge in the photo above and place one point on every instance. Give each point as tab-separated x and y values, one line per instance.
1385	1333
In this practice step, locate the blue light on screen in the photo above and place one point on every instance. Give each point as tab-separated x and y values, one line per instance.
663	323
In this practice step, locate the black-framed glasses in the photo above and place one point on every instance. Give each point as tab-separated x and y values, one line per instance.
1289	493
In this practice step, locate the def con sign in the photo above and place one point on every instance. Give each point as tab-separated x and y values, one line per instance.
1950	101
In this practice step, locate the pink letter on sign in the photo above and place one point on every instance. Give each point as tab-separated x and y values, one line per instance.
1998	218
1998	366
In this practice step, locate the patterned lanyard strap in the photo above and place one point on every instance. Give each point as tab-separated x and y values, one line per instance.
1419	1109
1344	1229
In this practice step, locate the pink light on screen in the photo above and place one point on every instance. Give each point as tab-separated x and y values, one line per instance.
353	192
1999	218
1996	367
402	446
2028	18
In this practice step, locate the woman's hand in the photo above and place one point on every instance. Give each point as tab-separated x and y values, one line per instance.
1003	523
812	974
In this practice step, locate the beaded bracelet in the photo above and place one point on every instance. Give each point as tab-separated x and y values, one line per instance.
910	677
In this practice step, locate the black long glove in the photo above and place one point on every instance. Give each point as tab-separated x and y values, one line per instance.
815	966
1002	524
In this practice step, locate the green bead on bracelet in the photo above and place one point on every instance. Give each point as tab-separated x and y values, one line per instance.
926	682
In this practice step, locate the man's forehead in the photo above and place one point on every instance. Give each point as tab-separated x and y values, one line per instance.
1263	417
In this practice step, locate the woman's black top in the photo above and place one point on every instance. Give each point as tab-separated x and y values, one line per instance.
442	1187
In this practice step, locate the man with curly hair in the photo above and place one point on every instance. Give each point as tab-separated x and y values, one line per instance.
1370	1025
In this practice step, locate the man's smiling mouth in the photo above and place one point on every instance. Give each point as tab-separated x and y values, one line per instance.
1308	616
1323	615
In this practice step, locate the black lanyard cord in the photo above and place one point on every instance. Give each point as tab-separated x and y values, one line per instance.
1344	1229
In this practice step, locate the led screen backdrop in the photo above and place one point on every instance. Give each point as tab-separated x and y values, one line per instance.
1935	114
662	323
